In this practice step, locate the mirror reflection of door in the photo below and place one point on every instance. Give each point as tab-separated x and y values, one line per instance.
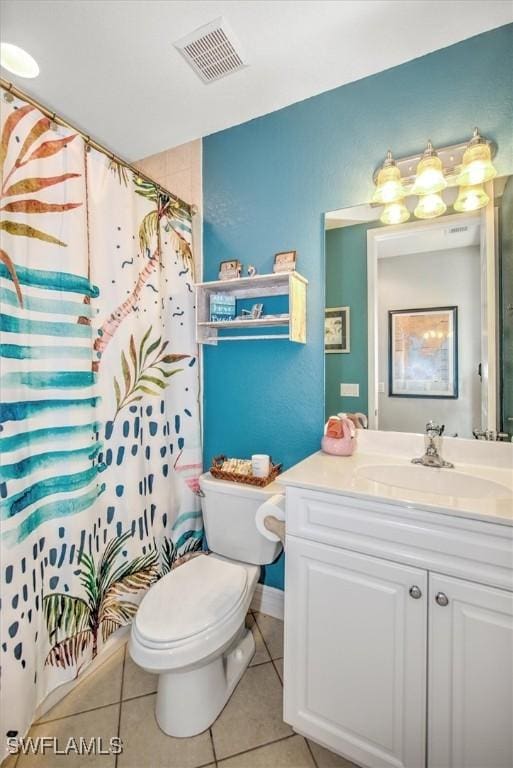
430	363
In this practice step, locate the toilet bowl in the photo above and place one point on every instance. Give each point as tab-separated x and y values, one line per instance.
190	626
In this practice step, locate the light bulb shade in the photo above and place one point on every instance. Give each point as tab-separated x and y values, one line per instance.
395	213
389	186
430	206
477	166
18	61
471	199
430	176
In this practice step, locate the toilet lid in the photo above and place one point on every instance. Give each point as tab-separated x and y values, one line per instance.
190	599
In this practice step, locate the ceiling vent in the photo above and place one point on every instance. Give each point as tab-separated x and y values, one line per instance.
212	51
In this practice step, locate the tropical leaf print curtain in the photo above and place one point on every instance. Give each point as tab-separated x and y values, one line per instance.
99	416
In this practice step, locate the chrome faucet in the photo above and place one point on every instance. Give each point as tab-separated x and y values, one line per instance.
490	434
433	441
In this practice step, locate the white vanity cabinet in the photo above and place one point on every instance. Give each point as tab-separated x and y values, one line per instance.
355	654
395	655
470	675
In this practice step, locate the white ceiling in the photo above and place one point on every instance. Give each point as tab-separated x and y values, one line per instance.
110	67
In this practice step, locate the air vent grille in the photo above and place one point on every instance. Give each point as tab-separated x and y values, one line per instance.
211	51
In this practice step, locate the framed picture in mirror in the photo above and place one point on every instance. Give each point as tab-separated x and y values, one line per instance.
423	352
336	330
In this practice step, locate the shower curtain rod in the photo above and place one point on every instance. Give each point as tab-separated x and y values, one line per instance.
19	94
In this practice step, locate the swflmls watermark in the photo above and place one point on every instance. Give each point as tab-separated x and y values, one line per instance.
75	745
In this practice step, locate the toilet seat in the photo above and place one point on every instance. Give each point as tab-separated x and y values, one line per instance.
189	600
192	612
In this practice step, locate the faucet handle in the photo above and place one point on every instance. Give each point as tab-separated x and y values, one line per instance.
434	430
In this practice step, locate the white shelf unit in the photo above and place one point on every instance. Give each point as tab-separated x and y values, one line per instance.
290	284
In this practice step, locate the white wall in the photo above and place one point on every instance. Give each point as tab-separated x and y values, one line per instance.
437	279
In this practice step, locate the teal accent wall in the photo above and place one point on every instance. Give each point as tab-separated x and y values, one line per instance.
266	186
346	286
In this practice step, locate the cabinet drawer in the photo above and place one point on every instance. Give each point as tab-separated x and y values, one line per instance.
457	546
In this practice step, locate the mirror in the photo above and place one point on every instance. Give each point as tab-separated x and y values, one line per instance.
419	318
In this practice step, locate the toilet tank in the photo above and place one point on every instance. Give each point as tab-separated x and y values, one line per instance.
229	511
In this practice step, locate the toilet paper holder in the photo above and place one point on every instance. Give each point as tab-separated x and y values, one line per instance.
275	526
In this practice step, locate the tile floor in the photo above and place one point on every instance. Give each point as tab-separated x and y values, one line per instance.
119	699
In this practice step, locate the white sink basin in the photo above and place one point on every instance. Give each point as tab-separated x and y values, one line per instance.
445	482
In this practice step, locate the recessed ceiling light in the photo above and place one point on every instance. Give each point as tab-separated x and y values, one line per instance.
18	61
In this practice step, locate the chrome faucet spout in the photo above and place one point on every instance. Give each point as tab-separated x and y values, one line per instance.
432	456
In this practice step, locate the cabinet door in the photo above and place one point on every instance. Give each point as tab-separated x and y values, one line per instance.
355	654
470	675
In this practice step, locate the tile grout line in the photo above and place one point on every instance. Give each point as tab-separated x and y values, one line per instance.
93	709
259	746
264	641
213	745
311	752
276	670
121	699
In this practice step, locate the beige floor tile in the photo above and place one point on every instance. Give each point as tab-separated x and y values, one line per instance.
272	631
137	682
98	689
254	714
326	759
146	746
278	663
10	762
101	724
261	654
288	753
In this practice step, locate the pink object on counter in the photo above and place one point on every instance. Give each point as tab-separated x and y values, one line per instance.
343	445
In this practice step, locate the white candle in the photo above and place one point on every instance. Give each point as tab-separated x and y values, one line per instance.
260	463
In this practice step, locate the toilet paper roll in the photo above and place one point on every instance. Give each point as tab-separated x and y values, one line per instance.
274	506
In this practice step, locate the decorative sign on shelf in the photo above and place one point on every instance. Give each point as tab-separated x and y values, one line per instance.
285	261
230	270
222	307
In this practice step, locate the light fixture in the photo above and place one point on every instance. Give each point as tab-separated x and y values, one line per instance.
471	199
18	61
395	213
430	175
430	206
389	187
476	166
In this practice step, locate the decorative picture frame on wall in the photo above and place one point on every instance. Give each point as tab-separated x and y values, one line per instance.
423	352
337	330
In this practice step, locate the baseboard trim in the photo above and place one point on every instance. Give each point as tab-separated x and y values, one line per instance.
269	600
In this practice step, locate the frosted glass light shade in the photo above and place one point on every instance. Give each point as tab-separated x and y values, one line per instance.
471	199
430	175
430	206
16	60
395	213
389	186
477	166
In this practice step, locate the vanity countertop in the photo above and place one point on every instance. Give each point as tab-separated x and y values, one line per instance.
342	475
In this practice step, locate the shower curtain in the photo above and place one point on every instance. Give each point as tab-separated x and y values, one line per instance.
99	415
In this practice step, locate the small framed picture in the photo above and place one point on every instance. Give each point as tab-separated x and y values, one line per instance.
285	261
336	330
230	270
423	352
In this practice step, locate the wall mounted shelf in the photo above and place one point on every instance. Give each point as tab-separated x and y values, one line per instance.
290	284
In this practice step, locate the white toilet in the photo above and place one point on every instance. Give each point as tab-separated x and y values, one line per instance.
190	626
